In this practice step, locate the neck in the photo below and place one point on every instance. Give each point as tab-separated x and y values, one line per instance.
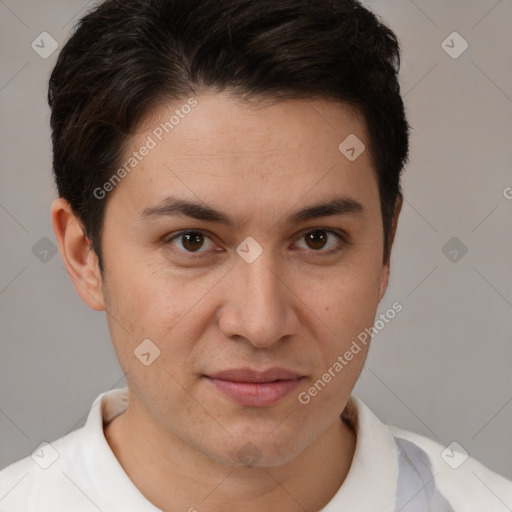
175	476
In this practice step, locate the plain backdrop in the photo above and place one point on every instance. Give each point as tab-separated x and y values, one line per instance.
440	368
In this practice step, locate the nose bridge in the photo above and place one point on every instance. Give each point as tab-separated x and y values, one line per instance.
259	304
263	285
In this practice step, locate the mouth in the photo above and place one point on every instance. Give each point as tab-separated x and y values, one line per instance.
252	388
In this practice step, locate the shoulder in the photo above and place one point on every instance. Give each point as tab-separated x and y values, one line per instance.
465	482
76	472
44	480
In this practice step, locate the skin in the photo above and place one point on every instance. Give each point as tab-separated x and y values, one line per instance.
294	307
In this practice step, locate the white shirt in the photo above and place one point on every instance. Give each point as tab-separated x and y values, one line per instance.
393	470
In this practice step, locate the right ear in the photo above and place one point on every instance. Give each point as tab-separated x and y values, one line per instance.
79	259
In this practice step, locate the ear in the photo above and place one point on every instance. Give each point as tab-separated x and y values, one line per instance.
386	267
79	259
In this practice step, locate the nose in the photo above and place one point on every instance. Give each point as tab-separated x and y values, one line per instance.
259	304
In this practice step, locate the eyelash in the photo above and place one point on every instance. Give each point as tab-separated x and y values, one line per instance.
342	237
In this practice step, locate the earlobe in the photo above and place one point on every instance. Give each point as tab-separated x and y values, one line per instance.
75	249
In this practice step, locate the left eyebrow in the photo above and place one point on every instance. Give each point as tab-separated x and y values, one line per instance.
175	207
341	205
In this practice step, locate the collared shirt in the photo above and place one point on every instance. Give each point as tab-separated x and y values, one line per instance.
393	470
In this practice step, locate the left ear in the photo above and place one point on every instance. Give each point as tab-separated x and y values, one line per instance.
386	266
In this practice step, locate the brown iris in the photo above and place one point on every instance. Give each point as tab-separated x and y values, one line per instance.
192	241
317	238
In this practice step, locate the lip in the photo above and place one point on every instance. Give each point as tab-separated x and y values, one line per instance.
252	388
249	375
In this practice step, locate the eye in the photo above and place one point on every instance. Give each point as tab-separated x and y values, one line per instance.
190	241
318	239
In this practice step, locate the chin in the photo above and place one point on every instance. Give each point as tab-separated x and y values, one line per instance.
258	451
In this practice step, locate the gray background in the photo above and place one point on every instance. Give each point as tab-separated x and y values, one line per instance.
440	368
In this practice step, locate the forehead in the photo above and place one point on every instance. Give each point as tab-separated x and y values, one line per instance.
221	123
223	151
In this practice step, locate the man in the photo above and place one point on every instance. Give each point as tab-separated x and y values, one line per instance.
229	190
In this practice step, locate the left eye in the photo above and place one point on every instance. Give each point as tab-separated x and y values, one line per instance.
316	240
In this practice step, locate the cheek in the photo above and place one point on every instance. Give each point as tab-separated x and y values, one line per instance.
344	308
143	294
148	303
138	307
349	301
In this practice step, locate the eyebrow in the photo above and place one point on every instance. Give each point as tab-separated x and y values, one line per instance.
175	207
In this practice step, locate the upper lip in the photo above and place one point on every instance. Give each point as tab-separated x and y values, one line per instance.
249	375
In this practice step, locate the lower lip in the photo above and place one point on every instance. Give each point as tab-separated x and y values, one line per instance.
255	394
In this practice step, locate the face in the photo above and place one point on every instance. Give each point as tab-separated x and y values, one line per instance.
246	302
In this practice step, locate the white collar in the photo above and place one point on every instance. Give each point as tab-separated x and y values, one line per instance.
371	482
100	459
370	485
